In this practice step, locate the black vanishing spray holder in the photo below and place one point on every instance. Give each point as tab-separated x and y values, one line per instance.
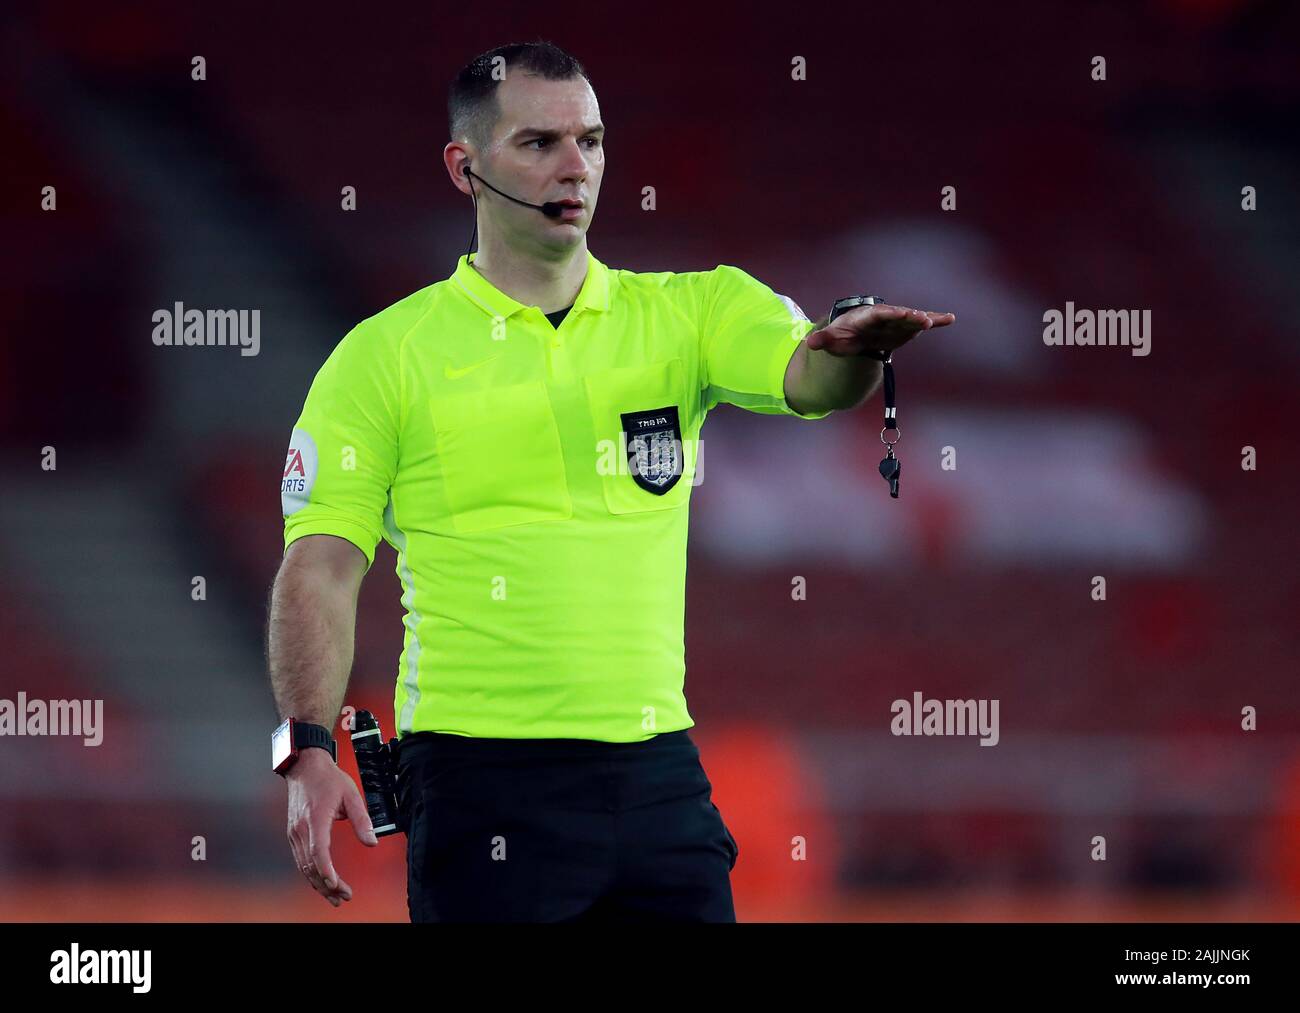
376	763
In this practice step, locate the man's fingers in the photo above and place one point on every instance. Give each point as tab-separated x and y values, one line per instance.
879	326
355	810
296	847
930	317
308	869
305	865
319	856
907	325
317	884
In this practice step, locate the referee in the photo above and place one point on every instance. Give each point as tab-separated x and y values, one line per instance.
524	434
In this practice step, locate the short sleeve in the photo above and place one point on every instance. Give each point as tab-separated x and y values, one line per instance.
749	333
343	449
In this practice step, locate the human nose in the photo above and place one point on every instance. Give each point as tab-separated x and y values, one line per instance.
575	164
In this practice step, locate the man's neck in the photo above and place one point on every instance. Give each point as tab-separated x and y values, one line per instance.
550	285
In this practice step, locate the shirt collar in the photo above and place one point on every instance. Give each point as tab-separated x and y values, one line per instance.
594	294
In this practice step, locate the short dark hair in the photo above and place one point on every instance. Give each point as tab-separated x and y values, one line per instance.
472	106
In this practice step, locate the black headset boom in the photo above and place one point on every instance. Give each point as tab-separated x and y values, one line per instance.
551	209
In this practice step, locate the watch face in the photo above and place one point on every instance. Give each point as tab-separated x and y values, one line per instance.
282	744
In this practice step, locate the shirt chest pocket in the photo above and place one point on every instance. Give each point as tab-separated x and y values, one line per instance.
499	450
646	432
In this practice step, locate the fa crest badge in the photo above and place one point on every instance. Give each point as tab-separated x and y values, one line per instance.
653	441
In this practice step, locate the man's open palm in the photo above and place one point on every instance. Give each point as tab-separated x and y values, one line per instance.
880	328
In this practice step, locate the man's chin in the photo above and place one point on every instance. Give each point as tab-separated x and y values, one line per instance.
564	235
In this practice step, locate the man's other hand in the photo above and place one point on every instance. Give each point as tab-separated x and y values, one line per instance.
319	794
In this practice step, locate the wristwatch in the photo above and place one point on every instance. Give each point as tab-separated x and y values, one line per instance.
292	737
852	302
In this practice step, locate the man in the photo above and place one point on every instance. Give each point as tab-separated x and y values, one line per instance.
524	434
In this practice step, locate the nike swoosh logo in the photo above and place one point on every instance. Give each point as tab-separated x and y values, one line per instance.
455	374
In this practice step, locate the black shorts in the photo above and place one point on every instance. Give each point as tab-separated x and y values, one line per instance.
542	830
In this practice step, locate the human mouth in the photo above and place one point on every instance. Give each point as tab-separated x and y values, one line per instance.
572	208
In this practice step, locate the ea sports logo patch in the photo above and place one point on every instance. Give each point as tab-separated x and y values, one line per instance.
293	464
299	472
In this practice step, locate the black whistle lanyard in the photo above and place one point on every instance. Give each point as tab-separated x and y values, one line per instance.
891	467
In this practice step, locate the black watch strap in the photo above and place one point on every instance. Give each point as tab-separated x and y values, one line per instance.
305	736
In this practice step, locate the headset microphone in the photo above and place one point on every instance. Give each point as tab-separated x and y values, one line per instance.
551	209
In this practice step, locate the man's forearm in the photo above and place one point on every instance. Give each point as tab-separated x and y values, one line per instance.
819	381
309	644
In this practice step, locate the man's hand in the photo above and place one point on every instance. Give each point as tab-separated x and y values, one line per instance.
319	793
829	371
880	328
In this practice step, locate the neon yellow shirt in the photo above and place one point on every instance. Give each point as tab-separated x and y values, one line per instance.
535	484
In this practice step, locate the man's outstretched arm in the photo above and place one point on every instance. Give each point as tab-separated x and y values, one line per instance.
829	372
309	646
